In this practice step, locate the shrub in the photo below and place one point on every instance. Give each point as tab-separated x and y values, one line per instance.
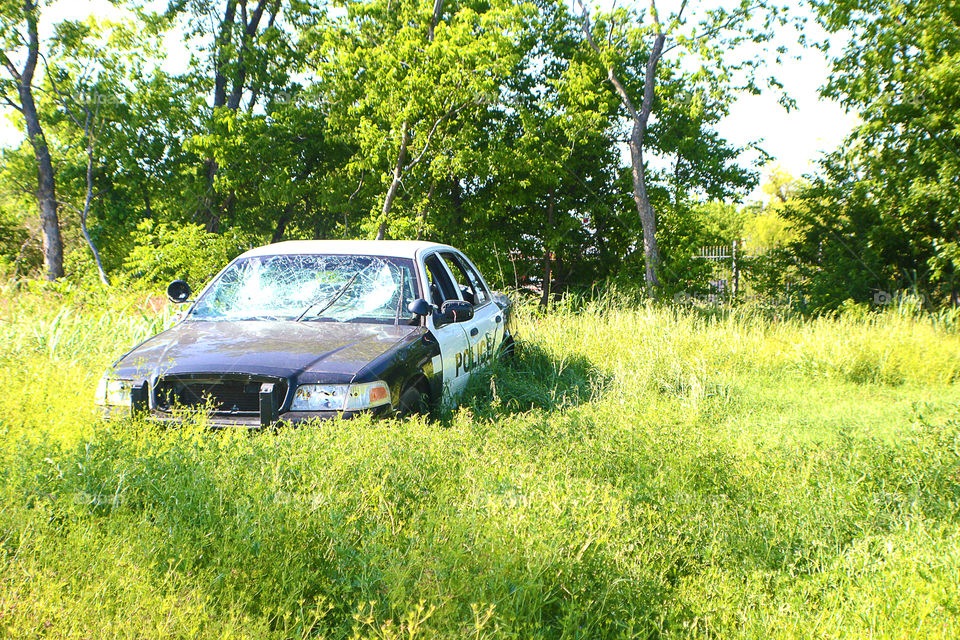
164	252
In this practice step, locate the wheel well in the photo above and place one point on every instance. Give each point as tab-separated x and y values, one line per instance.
509	346
419	382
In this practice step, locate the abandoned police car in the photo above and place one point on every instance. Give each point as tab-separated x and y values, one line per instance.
311	329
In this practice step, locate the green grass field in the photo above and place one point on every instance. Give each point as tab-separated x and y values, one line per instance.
638	471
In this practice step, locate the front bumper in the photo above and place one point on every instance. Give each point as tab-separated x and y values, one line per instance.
254	422
268	417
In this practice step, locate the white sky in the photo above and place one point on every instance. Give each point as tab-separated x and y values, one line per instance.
795	140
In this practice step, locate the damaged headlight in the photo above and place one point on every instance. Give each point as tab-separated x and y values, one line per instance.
340	397
113	393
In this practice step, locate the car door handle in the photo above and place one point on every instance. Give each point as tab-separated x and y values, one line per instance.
474	331
499	318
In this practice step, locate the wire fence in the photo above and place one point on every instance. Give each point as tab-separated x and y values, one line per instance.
730	272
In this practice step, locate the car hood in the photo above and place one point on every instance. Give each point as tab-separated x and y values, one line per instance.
274	348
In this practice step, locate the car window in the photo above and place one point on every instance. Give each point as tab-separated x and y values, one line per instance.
469	282
441	287
311	287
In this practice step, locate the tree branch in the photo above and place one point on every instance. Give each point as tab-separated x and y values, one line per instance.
63	99
11	103
9	65
223	39
655	16
585	23
435	18
433	129
650	78
715	30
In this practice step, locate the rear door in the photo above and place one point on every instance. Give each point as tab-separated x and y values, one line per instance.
485	331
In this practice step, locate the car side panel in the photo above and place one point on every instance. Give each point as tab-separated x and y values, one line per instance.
417	355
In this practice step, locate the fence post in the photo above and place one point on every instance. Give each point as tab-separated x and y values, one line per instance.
736	271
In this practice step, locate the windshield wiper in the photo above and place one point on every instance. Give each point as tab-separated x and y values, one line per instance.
335	297
403	281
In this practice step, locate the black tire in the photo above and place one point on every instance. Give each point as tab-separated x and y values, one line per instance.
509	348
414	399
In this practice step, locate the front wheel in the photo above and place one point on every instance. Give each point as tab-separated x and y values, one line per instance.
414	399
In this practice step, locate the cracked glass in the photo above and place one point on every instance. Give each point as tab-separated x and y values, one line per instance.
311	288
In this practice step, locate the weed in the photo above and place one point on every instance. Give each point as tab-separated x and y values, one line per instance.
637	471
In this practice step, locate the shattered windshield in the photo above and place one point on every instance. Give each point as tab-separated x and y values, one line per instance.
311	288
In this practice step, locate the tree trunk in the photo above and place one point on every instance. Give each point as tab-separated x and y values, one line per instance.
216	210
86	206
46	185
456	196
49	218
422	216
648	218
250	28
394	184
560	275
208	202
223	39
93	249
147	208
281	225
210	197
404	140
547	257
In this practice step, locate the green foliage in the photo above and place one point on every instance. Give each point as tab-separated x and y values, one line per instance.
14	241
885	213
511	133
767	229
731	475
283	169
163	252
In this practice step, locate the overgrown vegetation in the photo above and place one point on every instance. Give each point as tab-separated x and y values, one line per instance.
491	126
495	126
638	471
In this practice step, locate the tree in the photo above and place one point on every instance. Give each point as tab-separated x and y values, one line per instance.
83	80
766	226
620	37
250	53
96	72
884	213
403	81
284	173
20	37
529	187
639	119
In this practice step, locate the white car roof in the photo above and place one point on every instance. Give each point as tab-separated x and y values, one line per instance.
385	248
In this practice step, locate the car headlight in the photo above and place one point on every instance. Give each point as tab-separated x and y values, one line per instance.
113	393
340	397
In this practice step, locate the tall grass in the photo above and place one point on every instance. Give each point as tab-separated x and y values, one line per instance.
637	471
54	347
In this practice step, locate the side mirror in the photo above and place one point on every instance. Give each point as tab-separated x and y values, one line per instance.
456	311
178	291
420	307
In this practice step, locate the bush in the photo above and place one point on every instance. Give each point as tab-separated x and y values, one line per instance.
164	252
19	252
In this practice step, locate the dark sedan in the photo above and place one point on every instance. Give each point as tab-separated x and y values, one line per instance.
314	329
